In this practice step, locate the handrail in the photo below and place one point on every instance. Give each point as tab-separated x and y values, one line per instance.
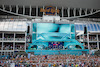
8	39
12	39
19	39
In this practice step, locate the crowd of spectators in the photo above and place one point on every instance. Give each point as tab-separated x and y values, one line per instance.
20	36
0	46
52	61
8	46
93	46
86	46
19	47
85	38
99	37
92	38
9	36
0	35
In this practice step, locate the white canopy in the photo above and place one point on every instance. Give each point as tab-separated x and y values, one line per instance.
13	26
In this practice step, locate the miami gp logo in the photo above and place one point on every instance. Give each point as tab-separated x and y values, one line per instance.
49	10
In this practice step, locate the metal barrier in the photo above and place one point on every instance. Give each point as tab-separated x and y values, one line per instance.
8	39
0	39
12	39
19	39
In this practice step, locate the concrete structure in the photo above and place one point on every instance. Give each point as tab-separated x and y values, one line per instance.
12	37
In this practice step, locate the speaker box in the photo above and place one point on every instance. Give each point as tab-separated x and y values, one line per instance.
28	29
85	30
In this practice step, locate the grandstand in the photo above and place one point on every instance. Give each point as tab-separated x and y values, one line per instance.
12	37
49	33
25	28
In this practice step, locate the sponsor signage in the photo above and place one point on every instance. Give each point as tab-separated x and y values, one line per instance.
49	10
